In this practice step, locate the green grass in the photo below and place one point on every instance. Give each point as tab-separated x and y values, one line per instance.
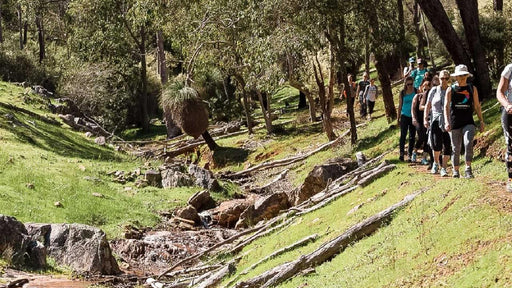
41	164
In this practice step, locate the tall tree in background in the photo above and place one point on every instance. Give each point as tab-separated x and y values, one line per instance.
497	5
1	19
470	19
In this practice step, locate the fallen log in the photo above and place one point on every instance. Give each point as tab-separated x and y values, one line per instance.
265	189
299	243
199	254
328	250
214	279
375	174
287	161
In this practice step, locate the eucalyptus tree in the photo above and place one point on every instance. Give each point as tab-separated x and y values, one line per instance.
116	30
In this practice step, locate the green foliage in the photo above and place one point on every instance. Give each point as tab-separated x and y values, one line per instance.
20	66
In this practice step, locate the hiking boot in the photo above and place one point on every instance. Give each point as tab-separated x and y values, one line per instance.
435	169
456	174
469	173
443	173
424	161
413	157
509	186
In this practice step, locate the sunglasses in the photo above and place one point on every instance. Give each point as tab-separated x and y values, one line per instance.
445	78
408	84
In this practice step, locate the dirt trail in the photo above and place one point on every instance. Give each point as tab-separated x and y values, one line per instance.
41	281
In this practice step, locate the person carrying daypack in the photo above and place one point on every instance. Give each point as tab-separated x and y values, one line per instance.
417	111
440	139
370	96
504	95
461	101
361	86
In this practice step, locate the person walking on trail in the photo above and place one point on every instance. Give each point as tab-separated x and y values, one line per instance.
440	139
504	95
361	86
405	119
461	102
370	96
408	70
419	73
417	109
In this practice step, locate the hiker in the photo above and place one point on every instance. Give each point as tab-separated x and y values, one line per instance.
504	95
361	86
370	96
419	73
439	138
352	87
417	109
461	101
408	70
405	119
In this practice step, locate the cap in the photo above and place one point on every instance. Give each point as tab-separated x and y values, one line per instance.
412	60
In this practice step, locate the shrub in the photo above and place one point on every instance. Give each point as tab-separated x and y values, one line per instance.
101	90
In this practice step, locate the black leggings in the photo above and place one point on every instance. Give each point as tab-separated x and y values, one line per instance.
406	125
506	123
440	140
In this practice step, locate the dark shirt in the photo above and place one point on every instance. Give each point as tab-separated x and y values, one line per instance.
461	106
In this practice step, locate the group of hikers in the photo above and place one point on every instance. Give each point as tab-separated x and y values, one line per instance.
439	109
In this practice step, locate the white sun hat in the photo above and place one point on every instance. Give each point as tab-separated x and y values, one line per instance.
461	70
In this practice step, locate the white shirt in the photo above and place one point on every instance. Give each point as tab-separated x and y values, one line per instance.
507	73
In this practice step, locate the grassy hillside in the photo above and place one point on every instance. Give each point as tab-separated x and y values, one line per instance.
42	163
457	234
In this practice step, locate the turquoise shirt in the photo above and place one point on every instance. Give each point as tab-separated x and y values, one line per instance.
406	104
418	76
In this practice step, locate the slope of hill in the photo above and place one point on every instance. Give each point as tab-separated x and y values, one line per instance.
456	234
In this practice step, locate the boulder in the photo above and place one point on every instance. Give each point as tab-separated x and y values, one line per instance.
83	248
228	212
14	240
318	179
188	213
204	178
172	178
202	200
153	178
264	208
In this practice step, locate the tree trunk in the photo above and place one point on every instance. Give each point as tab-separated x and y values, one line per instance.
144	80
401	23
40	36
25	33
172	129
20	25
302	100
417	31
469	14
387	93
1	30
266	112
245	98
326	119
497	5
162	65
307	93
437	16
432	60
382	69
209	141
367	55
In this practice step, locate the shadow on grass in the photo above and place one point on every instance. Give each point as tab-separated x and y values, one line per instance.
294	131
373	141
138	134
55	139
224	156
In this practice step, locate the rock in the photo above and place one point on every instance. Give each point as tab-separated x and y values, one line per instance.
361	158
264	208
58	204
318	179
204	178
37	254
100	141
172	178
228	212
202	200
88	134
13	240
188	213
154	178
83	248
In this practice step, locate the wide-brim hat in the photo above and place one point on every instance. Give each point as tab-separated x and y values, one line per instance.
461	70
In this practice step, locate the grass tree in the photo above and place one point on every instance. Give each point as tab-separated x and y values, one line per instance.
187	110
